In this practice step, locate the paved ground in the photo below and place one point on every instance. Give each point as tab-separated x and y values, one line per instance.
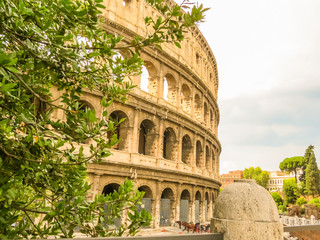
163	231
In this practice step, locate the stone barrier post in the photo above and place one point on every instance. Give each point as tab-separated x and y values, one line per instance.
246	211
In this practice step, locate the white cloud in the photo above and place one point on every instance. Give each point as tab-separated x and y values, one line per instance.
268	57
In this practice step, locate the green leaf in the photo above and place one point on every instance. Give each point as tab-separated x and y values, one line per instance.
177	44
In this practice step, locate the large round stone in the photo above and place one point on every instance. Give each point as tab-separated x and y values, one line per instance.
245	210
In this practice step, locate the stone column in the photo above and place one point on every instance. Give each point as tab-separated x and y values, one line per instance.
192	100
217	165
157	206
202	110
126	133
210	204
193	206
204	155
179	148
161	82
160	139
204	210
95	186
178	198
135	132
153	211
194	157
179	89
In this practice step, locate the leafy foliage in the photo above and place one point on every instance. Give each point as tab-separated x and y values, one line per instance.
300	201
306	159
281	204
261	177
292	165
290	190
315	201
59	45
312	176
277	198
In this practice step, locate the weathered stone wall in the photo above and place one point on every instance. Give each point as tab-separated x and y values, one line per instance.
172	110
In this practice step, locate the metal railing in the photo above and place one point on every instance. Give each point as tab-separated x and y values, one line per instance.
298	221
295	224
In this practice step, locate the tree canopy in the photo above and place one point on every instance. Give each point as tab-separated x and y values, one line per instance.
292	165
290	190
261	177
312	176
277	198
309	151
58	44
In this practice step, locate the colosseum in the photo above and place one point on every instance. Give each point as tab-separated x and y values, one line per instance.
169	143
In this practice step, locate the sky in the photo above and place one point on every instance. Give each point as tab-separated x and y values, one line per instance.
268	58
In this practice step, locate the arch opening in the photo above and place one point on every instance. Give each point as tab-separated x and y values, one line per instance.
186	150
144	80
109	189
169	144
211	124
207	158
185	206
166	207
147	138
198	207
148	79
199	153
213	161
206	207
205	113
121	130
88	114
197	107
169	89
146	200
186	98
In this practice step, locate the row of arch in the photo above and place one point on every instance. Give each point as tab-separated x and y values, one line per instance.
202	155
183	97
172	208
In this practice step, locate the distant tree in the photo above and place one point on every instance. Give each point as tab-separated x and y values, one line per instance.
312	176
277	198
304	163
292	165
290	190
261	177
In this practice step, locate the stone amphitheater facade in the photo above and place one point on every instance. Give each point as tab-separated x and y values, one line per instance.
169	141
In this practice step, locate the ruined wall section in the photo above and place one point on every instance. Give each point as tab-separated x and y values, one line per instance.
169	140
195	52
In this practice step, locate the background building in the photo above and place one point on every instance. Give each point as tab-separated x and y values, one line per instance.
229	178
169	140
276	179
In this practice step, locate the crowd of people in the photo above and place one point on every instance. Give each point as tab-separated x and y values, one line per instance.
194	227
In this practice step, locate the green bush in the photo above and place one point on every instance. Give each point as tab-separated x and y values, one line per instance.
300	201
282	209
303	210
277	198
315	202
290	190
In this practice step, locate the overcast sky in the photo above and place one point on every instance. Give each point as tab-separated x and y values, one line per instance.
268	56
